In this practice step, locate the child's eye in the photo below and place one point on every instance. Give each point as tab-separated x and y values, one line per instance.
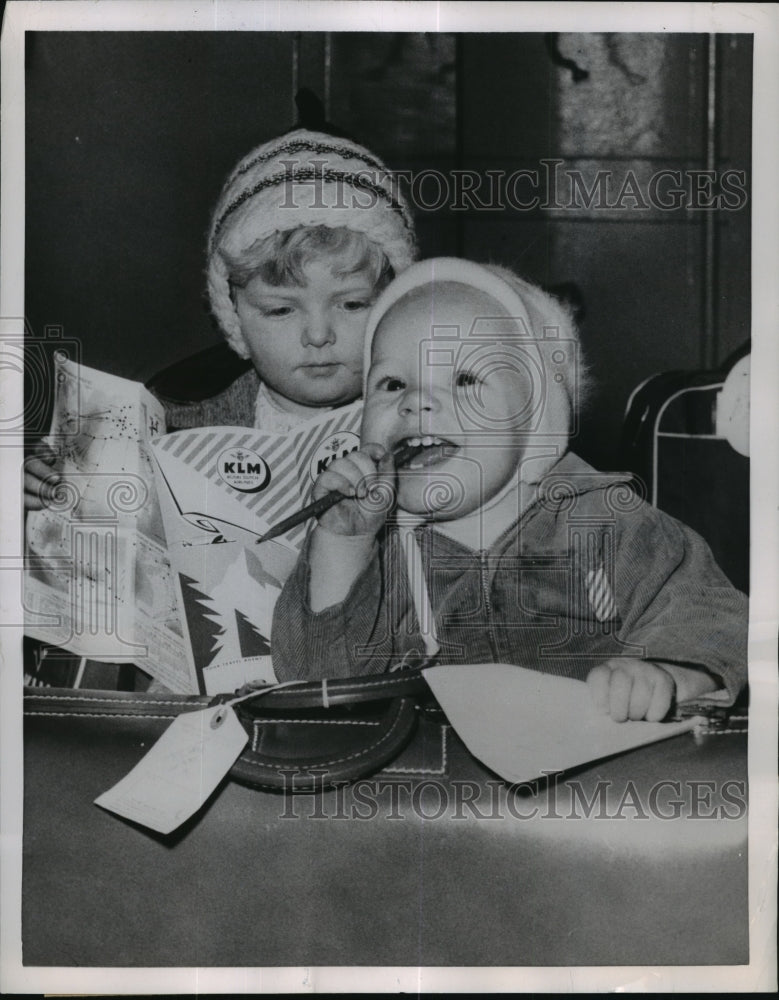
462	379
277	312
355	305
390	383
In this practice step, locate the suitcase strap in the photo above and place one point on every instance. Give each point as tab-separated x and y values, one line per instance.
302	738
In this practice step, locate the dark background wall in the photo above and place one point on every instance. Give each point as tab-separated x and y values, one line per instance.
130	135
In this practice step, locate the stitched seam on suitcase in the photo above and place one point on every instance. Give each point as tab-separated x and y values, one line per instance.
385	684
365	685
104	701
102	715
425	770
257	723
327	763
316	722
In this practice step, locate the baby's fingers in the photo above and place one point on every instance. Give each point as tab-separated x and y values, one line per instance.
366	464
348	476
641	692
610	689
662	697
382	459
336	480
631	690
598	681
620	689
381	487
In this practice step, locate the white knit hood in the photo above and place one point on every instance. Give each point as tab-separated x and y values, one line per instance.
547	325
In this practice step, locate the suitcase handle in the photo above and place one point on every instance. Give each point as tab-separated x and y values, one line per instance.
363	745
340	691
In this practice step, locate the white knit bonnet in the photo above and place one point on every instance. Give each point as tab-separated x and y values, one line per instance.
299	179
548	323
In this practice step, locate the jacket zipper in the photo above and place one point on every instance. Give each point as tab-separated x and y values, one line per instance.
484	575
484	578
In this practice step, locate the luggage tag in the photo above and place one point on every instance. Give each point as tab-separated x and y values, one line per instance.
180	772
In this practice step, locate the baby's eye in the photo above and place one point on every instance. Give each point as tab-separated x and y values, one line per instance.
277	312
390	383
462	379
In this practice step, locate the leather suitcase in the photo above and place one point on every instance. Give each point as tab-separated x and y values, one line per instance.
424	858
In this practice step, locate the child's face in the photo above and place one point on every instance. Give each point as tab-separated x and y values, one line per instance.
467	395
307	342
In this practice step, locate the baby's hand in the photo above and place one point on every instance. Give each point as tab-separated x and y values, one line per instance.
626	688
40	479
366	477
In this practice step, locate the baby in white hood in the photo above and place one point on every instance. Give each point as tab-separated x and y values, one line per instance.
494	543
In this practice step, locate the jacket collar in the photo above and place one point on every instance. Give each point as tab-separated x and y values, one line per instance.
572	476
569	477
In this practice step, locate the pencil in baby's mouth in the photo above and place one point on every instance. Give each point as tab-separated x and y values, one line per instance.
401	455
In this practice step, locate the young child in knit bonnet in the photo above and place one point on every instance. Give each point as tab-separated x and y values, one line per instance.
307	230
503	545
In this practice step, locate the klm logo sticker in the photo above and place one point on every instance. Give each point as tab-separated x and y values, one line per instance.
245	471
336	446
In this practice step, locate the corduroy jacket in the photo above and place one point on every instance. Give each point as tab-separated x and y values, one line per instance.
588	572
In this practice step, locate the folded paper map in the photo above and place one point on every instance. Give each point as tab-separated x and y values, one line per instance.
149	552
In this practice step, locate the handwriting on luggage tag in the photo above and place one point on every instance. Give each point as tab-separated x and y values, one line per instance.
180	771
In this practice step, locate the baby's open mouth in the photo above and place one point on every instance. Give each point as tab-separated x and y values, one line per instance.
424	451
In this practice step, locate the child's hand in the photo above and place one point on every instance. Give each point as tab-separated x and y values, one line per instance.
40	479
626	688
367	478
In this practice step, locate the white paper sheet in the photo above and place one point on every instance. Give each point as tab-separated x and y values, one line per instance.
524	724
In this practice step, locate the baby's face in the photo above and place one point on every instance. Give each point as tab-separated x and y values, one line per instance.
307	342
460	393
